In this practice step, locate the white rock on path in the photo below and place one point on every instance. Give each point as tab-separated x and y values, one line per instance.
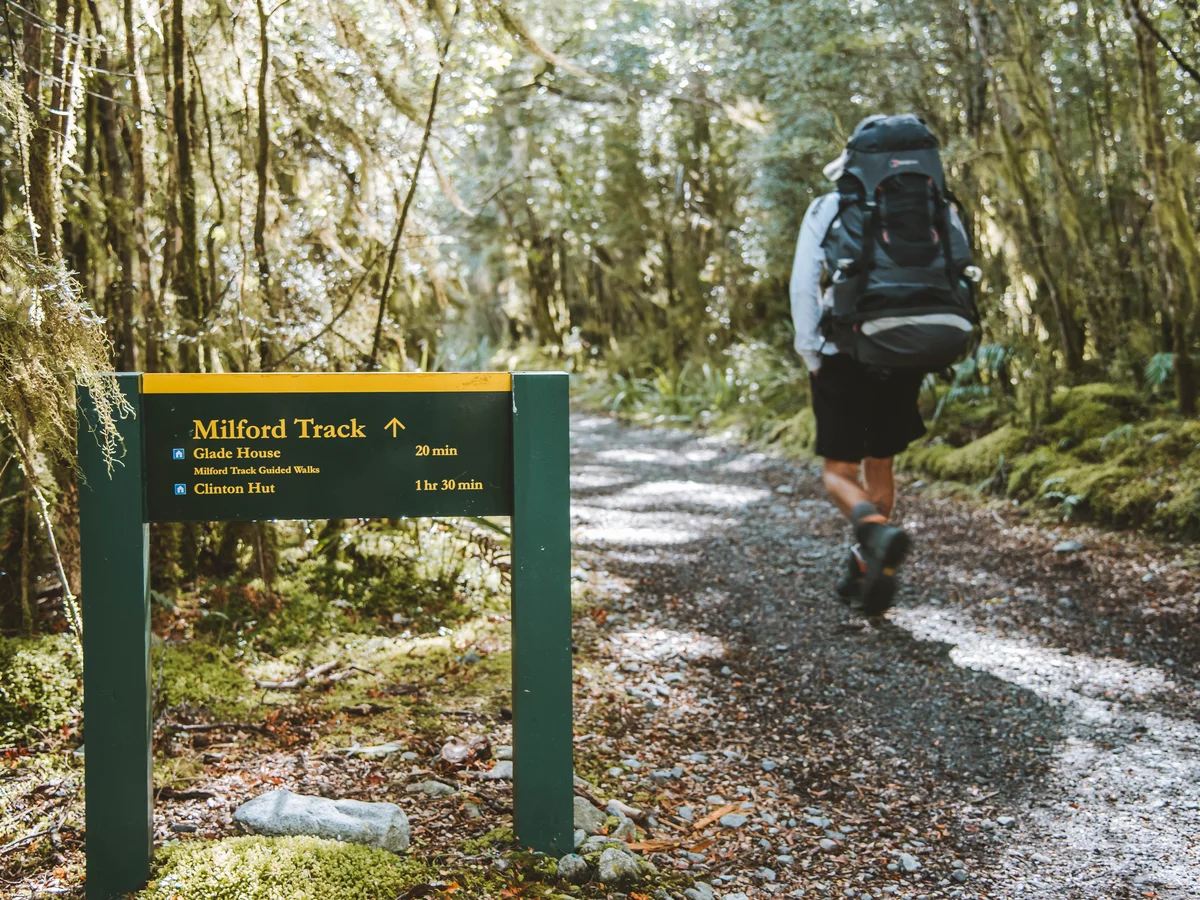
278	813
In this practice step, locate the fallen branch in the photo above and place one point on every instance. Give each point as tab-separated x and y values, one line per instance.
22	841
221	726
169	793
299	681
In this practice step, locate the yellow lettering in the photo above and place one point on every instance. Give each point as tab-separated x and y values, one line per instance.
303	423
204	432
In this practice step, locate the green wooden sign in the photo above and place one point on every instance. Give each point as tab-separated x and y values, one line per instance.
326	446
278	446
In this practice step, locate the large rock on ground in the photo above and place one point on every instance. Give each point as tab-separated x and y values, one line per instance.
380	825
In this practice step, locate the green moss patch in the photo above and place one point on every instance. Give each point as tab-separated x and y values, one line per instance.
204	678
1097	457
40	687
972	462
290	868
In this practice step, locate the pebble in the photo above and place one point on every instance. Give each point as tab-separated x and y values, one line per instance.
818	821
501	771
625	831
598	844
700	891
502	751
766	874
725	670
733	820
784	859
432	789
909	863
959	875
769	765
573	868
738	896
1068	547
1006	821
617	867
579	837
588	817
827	845
698	758
686	813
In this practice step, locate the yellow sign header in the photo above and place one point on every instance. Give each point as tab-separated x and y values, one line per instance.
327	383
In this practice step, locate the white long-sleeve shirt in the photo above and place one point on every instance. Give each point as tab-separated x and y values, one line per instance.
805	287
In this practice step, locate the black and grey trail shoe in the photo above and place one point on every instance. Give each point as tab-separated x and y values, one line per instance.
849	585
883	548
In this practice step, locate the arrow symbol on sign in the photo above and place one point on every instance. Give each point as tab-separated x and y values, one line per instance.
394	424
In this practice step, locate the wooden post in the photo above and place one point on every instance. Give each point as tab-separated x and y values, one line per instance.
543	744
114	547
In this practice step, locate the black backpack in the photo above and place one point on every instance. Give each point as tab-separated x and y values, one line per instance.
898	252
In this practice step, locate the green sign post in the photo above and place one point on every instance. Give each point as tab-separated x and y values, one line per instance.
298	446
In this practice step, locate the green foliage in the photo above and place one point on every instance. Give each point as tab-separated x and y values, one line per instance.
40	687
1159	369
433	571
286	868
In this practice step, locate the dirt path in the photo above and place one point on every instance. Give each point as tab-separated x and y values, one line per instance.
960	735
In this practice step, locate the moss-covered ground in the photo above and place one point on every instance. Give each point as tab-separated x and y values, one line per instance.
1101	454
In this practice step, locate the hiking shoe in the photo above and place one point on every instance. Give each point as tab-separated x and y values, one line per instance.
883	548
849	585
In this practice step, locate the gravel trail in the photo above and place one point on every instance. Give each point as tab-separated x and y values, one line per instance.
1052	771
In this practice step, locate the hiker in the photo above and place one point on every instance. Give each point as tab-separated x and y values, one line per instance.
873	316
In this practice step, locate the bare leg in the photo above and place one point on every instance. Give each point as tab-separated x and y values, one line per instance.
880	482
841	481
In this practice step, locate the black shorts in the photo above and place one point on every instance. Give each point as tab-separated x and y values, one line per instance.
864	412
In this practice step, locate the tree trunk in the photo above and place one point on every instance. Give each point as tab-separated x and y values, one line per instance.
270	316
1179	252
116	199
41	180
28	621
151	315
187	282
170	200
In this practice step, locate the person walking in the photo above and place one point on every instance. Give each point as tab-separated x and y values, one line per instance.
880	297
